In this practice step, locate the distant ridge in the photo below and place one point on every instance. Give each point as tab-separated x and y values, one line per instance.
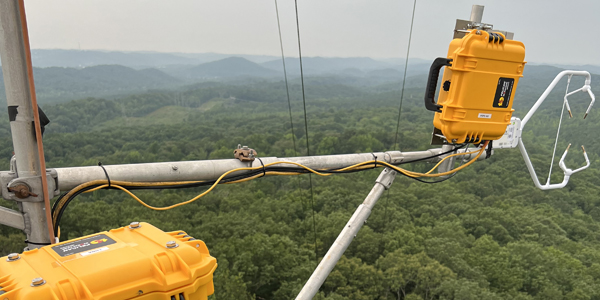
328	64
105	77
228	67
44	58
57	84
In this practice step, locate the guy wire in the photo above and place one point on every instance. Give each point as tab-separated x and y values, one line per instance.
312	198
287	88
404	75
396	145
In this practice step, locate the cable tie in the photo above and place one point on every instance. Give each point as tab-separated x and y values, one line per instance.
263	167
41	244
105	173
375	158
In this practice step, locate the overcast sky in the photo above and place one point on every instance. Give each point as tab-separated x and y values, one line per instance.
553	31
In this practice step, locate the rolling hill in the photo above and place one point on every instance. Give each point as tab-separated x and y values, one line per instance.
227	68
57	84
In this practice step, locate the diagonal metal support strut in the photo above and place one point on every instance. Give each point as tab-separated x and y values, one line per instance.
383	182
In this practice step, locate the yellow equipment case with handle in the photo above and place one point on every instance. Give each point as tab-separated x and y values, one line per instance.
138	262
480	78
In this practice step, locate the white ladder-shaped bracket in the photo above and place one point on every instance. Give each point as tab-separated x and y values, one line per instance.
567	171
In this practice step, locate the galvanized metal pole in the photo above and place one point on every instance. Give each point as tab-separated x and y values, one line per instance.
14	49
69	178
312	286
477	13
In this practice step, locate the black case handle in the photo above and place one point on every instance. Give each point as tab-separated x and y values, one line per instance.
432	80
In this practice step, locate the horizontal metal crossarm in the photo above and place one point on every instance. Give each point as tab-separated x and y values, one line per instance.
69	178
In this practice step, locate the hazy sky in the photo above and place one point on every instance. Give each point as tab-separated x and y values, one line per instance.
553	31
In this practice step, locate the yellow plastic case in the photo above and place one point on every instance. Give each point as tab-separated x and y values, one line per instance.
480	78
141	263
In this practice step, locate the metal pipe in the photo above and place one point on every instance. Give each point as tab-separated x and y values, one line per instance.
586	85
69	178
310	289
476	13
18	97
449	163
12	218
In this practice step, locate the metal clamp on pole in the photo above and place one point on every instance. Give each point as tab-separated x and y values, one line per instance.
244	154
22	189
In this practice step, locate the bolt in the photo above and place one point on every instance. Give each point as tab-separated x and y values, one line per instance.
13	257
175	168
134	225
21	191
37	281
172	244
197	245
245	147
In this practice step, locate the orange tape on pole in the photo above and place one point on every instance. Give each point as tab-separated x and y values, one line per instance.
36	118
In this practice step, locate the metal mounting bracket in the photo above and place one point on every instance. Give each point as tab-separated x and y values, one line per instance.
567	172
9	183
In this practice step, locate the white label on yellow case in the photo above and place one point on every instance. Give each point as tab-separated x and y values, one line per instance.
93	251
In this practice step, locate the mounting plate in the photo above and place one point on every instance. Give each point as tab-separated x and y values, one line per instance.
511	137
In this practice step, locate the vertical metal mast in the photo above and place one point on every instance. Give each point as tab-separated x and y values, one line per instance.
20	96
477	13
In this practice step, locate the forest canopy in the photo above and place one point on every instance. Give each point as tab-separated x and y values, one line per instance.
487	233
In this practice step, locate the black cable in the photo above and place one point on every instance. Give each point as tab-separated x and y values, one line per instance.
448	177
287	88
299	170
433	156
437	181
105	173
60	213
39	244
404	76
252	173
263	167
375	159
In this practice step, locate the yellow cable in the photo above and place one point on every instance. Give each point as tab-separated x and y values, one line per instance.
94	182
449	156
449	172
359	166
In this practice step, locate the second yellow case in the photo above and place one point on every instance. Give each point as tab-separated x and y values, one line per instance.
480	78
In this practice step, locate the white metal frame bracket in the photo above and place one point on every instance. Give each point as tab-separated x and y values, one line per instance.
567	171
